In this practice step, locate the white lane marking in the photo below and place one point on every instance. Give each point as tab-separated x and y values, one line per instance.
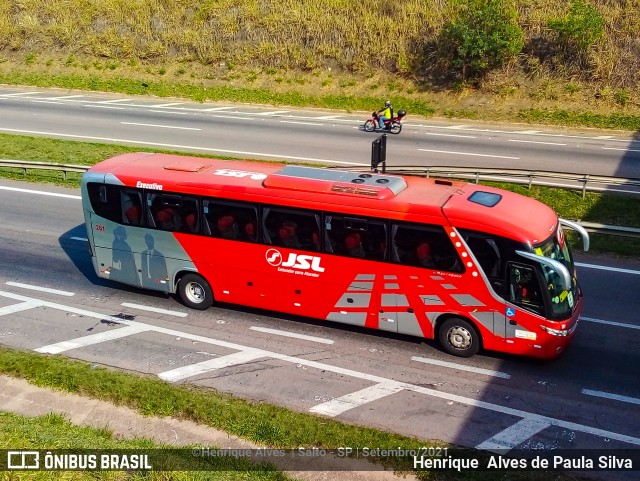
353	400
160	126
66	97
211	365
608	395
215	109
453	127
347	372
469	153
41	289
47	102
328	117
84	239
607	268
275	112
114	101
29	191
277	332
300	123
171	112
461	367
535	142
439	134
514	435
168	105
615	148
604	137
23	306
205	149
609	323
528	132
104	107
85	341
154	309
18	94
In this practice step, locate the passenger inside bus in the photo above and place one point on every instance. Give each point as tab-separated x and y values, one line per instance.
353	245
249	232
132	216
190	223
166	219
288	235
226	228
423	256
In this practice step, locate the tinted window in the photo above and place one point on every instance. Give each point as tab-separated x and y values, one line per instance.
362	238
292	228
231	220
424	246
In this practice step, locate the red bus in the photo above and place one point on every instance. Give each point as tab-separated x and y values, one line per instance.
469	265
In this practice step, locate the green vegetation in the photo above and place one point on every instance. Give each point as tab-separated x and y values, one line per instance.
262	423
483	36
52	431
342	55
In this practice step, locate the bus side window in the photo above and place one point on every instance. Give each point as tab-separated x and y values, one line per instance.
524	288
423	245
230	220
105	201
131	207
358	238
292	228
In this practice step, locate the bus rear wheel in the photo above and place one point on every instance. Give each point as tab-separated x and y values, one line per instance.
458	337
195	292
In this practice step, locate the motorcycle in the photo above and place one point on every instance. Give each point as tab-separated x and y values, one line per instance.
393	125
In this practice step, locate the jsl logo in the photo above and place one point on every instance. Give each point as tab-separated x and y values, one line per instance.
295	261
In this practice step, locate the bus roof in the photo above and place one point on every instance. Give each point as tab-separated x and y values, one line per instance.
461	204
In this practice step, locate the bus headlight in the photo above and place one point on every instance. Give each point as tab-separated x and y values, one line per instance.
559	332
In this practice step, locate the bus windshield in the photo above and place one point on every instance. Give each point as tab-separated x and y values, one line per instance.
556	247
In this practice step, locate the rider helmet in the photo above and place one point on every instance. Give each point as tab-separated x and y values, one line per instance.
387	103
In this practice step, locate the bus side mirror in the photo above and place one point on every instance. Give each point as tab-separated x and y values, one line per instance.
580	230
563	272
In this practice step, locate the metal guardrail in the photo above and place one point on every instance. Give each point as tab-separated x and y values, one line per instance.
517	176
26	165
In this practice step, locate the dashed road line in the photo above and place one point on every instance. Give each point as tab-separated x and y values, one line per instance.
608	268
609	323
300	123
85	341
154	309
196	369
246	352
170	112
29	191
275	112
462	367
536	142
167	105
113	101
278	332
461	136
352	400
470	154
22	306
160	126
41	289
514	435
608	395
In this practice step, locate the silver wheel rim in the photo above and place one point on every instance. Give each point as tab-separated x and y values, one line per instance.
195	292
460	338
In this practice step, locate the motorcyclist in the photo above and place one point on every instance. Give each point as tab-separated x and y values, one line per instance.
385	113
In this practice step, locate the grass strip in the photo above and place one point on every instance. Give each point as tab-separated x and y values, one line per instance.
53	432
261	423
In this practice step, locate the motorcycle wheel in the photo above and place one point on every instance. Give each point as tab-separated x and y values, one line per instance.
396	127
369	126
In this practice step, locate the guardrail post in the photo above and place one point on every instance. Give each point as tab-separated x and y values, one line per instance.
477	178
530	180
584	181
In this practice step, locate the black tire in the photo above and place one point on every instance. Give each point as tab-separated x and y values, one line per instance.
395	128
369	126
195	292
459	337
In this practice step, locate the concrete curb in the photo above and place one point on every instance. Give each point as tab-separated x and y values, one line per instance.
20	397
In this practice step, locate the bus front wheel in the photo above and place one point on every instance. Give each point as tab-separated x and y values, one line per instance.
458	337
195	292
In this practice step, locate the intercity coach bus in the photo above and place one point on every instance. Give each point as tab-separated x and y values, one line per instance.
469	265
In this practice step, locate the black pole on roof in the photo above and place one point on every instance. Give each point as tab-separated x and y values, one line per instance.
379	153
